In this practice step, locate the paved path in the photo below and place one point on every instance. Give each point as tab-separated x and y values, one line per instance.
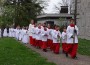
61	59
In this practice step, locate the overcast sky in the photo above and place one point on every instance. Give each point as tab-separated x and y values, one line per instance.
51	6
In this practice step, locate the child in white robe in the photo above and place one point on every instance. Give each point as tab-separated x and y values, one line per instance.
34	35
14	33
38	36
64	40
44	35
25	37
5	32
56	35
20	34
72	39
49	41
10	32
12	29
17	33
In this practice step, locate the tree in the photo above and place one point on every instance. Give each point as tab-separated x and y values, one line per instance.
63	3
21	11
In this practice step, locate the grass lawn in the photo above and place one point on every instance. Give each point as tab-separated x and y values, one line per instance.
14	53
84	47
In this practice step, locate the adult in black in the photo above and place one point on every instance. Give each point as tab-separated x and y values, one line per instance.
7	29
2	30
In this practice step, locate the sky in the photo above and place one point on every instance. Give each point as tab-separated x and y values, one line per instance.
51	6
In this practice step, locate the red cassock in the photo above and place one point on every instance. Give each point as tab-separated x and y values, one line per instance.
31	40
72	43
56	48
72	49
64	45
38	43
49	42
34	42
44	45
56	41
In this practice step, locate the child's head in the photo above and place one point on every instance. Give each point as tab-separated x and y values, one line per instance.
23	27
64	29
49	26
57	27
18	27
72	21
54	26
35	25
43	24
39	24
45	28
32	21
26	27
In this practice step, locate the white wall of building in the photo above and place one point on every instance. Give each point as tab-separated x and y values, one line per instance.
56	21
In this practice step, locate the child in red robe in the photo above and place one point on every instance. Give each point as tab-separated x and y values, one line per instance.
64	40
56	35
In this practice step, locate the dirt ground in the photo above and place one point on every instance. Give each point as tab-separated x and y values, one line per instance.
60	59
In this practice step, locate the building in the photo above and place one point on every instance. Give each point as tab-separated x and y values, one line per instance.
83	17
58	19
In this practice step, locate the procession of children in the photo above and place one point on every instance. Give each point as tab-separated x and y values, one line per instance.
46	37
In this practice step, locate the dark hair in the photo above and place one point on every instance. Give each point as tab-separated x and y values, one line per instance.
71	19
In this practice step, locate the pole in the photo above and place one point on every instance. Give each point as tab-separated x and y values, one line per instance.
75	12
75	18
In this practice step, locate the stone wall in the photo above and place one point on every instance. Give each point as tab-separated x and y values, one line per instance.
83	21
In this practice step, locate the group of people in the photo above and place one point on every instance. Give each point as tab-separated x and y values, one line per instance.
18	33
44	37
47	37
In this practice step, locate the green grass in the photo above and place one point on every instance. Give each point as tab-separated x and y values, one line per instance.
84	47
14	53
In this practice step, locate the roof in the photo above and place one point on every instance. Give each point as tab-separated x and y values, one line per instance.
54	15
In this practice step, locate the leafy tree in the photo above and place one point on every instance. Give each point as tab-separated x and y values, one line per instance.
21	12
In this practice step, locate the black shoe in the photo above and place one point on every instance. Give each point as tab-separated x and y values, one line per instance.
75	58
66	54
56	52
63	52
44	50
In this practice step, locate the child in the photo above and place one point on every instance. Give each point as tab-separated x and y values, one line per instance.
72	39
5	34
64	39
31	25
56	35
10	32
20	34
44	39
49	41
17	32
25	37
34	35
14	32
38	36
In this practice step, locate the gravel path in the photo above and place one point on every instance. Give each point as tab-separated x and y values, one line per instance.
61	59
